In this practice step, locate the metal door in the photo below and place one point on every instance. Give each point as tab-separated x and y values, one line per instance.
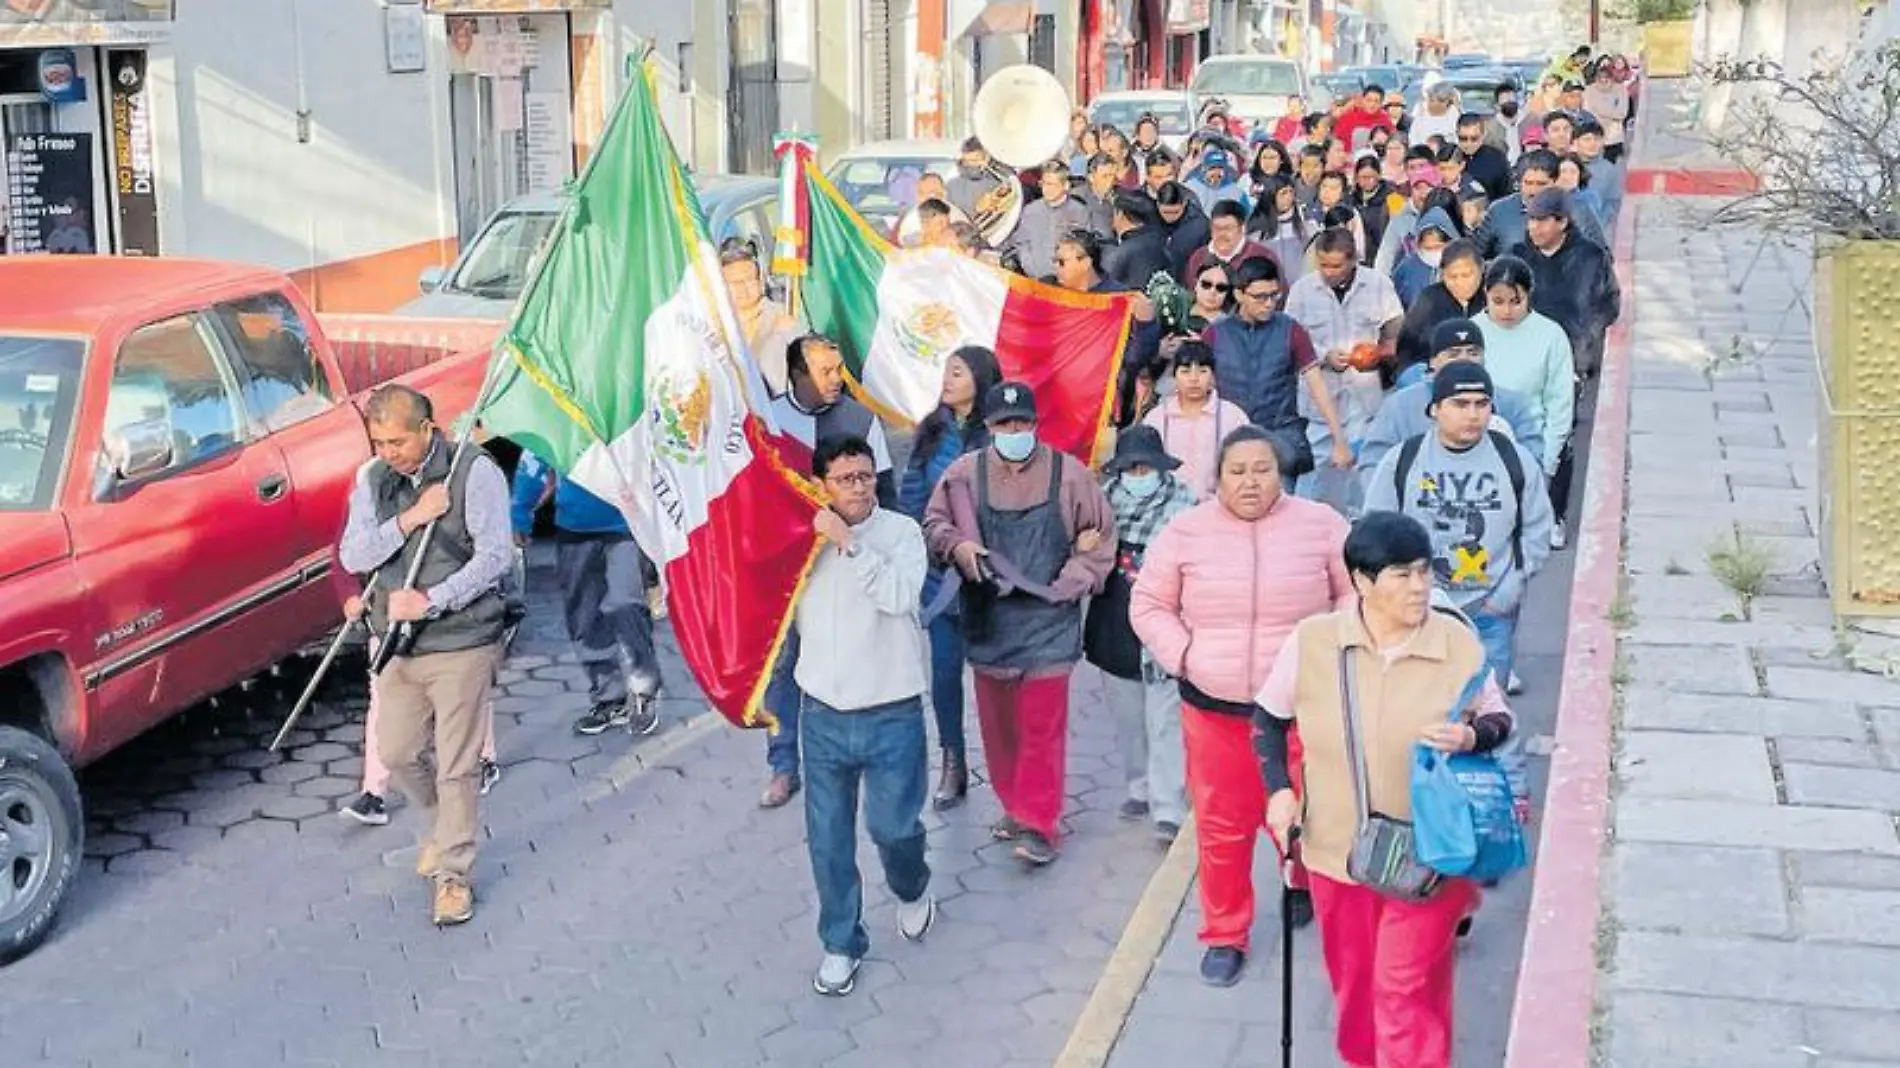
883	39
752	96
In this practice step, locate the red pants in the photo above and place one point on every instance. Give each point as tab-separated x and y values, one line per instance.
1025	726
1230	811
1391	965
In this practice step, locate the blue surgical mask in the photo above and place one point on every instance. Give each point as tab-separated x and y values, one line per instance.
1142	485
1014	447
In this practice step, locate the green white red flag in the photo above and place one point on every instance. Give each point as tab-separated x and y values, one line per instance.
897	314
624	367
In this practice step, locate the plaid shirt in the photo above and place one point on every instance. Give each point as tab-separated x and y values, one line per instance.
1138	520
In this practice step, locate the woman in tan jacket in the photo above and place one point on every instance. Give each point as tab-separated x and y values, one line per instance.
1390	960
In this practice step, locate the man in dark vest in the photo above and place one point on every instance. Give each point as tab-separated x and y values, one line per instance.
815	409
434	688
1033	535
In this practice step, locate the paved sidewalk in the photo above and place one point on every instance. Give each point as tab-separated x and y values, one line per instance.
1752	892
636	908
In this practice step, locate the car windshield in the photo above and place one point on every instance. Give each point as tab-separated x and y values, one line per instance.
1172	115
497	267
1340	84
1391	79
1248	79
39	382
884	185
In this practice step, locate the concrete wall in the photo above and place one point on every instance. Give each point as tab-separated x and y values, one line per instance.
238	180
1516	27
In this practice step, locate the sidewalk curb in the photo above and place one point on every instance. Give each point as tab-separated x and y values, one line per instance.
1112	1001
1552	1013
643	758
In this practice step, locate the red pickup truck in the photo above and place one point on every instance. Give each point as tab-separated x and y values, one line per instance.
177	443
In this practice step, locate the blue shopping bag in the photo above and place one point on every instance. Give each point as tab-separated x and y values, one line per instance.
1464	818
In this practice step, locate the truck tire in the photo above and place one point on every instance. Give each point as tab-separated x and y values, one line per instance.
42	836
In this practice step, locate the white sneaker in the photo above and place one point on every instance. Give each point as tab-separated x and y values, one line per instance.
837	975
915	918
1559	537
1514	685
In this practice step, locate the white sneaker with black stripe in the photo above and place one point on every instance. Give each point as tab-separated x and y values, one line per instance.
368	809
915	918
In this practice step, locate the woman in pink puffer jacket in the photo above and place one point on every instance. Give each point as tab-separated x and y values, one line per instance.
1221	588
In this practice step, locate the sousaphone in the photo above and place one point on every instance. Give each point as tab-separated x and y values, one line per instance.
1021	115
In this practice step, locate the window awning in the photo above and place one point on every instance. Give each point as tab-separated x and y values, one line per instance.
1000	17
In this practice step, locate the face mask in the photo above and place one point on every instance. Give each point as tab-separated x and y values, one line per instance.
1508	109
1431	257
1014	447
1142	485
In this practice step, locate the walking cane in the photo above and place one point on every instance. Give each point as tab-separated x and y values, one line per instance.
1286	949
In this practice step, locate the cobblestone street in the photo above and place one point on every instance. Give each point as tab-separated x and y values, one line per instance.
636	908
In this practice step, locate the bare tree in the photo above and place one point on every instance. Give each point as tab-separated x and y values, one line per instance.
1825	144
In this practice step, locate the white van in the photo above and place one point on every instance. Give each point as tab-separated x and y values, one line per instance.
1256	87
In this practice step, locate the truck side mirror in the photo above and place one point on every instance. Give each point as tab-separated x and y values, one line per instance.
432	278
139	449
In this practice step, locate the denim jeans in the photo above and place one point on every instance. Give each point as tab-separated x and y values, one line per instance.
782	700
882	748
1498	633
946	681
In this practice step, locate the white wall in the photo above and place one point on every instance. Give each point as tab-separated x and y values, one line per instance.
235	181
696	117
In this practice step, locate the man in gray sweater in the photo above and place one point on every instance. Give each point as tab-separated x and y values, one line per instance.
1482	497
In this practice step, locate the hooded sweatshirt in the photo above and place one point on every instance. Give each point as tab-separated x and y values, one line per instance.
1532	360
1465	500
1413	274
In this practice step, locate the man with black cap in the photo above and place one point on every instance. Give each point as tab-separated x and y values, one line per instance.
1214	182
1029	530
1507	222
1482	497
1573	281
1407	413
1145	493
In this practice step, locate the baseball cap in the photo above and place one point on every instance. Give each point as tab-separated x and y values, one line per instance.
1549	204
1214	157
1009	400
1472	189
1460	379
1457	333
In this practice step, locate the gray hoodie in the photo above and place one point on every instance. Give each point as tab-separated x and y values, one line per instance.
1465	501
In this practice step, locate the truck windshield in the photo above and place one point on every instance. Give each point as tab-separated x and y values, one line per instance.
39	384
497	267
1249	78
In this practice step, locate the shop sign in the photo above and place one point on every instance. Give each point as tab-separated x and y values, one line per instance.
60	82
49	193
38	23
492	47
512	7
133	179
1187	16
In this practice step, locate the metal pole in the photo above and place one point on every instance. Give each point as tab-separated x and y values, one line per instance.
316	678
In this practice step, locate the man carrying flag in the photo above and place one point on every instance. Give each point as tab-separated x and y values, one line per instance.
624	369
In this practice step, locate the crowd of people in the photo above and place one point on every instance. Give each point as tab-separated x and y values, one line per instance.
1341	449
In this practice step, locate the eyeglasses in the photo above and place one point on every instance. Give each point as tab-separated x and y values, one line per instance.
855	478
1217	287
1260	294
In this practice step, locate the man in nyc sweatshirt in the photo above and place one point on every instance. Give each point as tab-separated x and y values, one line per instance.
1487	511
1406	413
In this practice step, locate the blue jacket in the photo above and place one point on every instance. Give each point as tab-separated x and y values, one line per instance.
923	472
576	511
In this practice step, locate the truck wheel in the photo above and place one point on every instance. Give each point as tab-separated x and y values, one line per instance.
42	836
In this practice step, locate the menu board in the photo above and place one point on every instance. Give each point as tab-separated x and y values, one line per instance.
49	193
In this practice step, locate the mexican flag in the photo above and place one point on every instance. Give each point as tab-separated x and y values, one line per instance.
898	314
624	368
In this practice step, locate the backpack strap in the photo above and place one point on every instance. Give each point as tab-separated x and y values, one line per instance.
1514	467
1408	455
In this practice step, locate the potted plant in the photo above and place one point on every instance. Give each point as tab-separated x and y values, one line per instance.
1668	28
1825	148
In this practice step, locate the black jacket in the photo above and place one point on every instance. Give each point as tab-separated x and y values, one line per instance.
1186	236
1576	286
1137	257
1492	169
1143	352
1434	305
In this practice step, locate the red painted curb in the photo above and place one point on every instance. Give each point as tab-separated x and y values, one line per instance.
1557	975
1690	183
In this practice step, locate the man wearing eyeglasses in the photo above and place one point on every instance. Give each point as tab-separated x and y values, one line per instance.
1483	161
1227	244
862	716
1261	357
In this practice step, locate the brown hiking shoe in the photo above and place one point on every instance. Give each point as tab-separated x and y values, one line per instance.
428	859
454	902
